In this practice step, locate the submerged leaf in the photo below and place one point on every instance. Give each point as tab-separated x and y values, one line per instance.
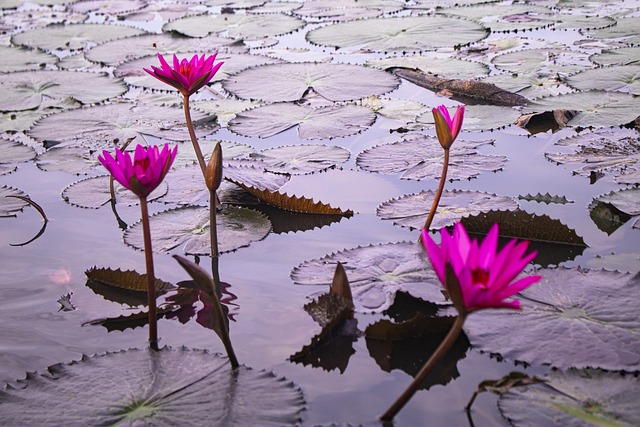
147	387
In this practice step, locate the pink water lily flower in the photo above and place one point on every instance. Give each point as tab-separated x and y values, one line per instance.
483	273
186	76
447	129
145	172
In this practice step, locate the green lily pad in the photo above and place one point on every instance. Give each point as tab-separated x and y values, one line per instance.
20	59
575	398
530	85
149	45
451	68
238	26
626	30
620	56
188	228
147	387
230	150
417	157
32	89
133	71
601	151
571	318
401	110
313	123
623	78
9	204
301	159
224	109
347	10
93	193
15	152
501	17
594	108
290	82
543	62
412	210
72	37
104	124
20	121
406	33
376	273
628	262
479	117
107	7
571	21
612	210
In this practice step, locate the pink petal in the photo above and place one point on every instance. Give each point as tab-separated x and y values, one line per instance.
488	248
435	254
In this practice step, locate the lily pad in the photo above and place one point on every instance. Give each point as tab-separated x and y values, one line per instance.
15	152
612	210
573	21
574	398
626	30
147	387
406	33
417	157
312	123
19	121
376	273
401	110
501	17
99	125
623	78
94	192
148	45
188	228
572	318
346	10
238	26
451	68
32	89
412	210
530	85
601	151
301	159
224	109
20	59
9	204
107	7
620	56
629	262
124	287
290	82
479	117
72	37
595	108
543	62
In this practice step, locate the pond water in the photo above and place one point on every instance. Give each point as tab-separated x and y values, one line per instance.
269	322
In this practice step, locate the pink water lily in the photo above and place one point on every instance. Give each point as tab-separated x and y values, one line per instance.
145	172
186	76
483	273
447	128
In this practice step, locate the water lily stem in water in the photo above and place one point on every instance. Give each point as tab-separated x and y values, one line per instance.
419	379
151	286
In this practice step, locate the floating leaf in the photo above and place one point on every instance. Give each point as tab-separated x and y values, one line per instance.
546	199
94	192
530	85
376	273
601	151
402	110
412	210
612	210
19	121
626	29
224	109
451	68
15	152
623	78
20	59
620	56
479	117
571	318
595	108
123	286
10	204
406	33
500	17
418	156
503	385
574	398
188	228
544	61
97	126
107	7
150	387
72	37
554	241
290	82
238	26
629	262
346	10
129	321
301	159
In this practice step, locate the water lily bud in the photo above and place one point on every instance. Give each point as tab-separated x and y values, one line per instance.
213	174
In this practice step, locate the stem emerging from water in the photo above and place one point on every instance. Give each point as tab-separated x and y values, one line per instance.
436	200
442	349
151	285
192	135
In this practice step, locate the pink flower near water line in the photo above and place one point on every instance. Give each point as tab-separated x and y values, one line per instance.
186	75
447	128
484	274
145	172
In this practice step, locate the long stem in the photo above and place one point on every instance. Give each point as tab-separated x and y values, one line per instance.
436	200
442	349
192	135
151	286
213	225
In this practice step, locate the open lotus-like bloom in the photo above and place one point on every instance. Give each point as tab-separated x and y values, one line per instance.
186	76
447	128
145	172
484	275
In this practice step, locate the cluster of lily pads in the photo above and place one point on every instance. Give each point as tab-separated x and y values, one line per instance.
266	89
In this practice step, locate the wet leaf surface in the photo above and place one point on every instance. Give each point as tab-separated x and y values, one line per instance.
571	318
20	59
498	17
341	10
163	387
15	152
479	117
301	159
73	37
94	192
623	78
544	61
625	29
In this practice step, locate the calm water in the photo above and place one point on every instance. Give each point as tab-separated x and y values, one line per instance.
270	324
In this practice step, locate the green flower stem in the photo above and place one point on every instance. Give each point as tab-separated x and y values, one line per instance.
192	135
151	286
419	379
213	224
436	200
